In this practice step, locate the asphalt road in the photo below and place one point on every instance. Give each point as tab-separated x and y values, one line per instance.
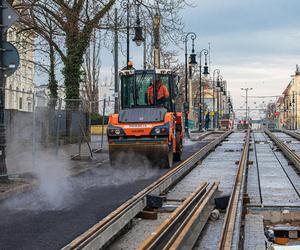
63	208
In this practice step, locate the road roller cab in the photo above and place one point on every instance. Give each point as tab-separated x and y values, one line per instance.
147	124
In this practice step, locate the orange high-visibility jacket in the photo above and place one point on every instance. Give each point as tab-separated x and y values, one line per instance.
162	92
150	94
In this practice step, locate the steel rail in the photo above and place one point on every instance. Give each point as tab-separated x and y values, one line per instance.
159	238
232	209
105	230
257	169
184	222
282	167
187	235
290	154
292	134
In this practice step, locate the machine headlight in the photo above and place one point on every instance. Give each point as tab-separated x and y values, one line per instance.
161	130
115	131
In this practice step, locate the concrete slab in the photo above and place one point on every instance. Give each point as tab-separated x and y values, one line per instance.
254	232
276	188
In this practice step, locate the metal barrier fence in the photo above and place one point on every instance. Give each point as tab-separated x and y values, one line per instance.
60	128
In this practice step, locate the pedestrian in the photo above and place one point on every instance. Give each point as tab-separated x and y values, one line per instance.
207	121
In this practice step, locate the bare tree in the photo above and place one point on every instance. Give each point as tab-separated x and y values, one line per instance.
76	21
92	66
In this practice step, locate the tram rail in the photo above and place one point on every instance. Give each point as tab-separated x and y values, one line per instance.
231	217
102	233
289	153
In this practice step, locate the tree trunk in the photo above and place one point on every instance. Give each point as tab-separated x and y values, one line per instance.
76	47
52	79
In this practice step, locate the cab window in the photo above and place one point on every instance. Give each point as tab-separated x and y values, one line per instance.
128	91
143	88
165	82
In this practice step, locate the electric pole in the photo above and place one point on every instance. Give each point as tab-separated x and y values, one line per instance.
3	169
246	102
116	63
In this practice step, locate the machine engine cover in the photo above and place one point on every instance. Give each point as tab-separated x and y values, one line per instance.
142	115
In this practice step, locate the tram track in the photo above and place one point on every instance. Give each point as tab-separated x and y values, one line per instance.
289	153
272	181
184	225
232	219
102	233
257	169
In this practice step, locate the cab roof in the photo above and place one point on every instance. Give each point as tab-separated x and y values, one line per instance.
157	71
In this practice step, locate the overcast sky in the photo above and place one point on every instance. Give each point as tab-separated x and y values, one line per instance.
255	43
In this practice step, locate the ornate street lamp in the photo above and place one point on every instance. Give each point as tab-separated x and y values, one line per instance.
192	62
125	4
138	37
216	71
219	90
201	88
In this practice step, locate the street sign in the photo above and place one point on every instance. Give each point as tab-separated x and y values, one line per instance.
9	15
11	59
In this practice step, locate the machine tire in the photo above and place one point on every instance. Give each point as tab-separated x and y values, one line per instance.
112	157
178	153
112	161
167	162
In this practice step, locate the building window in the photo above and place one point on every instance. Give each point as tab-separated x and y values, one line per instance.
20	102
10	96
30	73
29	106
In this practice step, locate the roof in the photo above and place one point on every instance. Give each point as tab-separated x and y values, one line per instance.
157	71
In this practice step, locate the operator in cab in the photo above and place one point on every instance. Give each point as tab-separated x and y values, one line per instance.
150	93
161	91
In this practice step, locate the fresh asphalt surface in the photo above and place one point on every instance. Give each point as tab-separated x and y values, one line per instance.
60	210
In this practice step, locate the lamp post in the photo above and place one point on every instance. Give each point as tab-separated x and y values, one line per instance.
201	88
126	5
246	109
219	90
138	38
193	36
214	109
293	101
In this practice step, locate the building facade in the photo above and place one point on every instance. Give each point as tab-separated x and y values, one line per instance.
285	112
42	96
291	103
20	86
